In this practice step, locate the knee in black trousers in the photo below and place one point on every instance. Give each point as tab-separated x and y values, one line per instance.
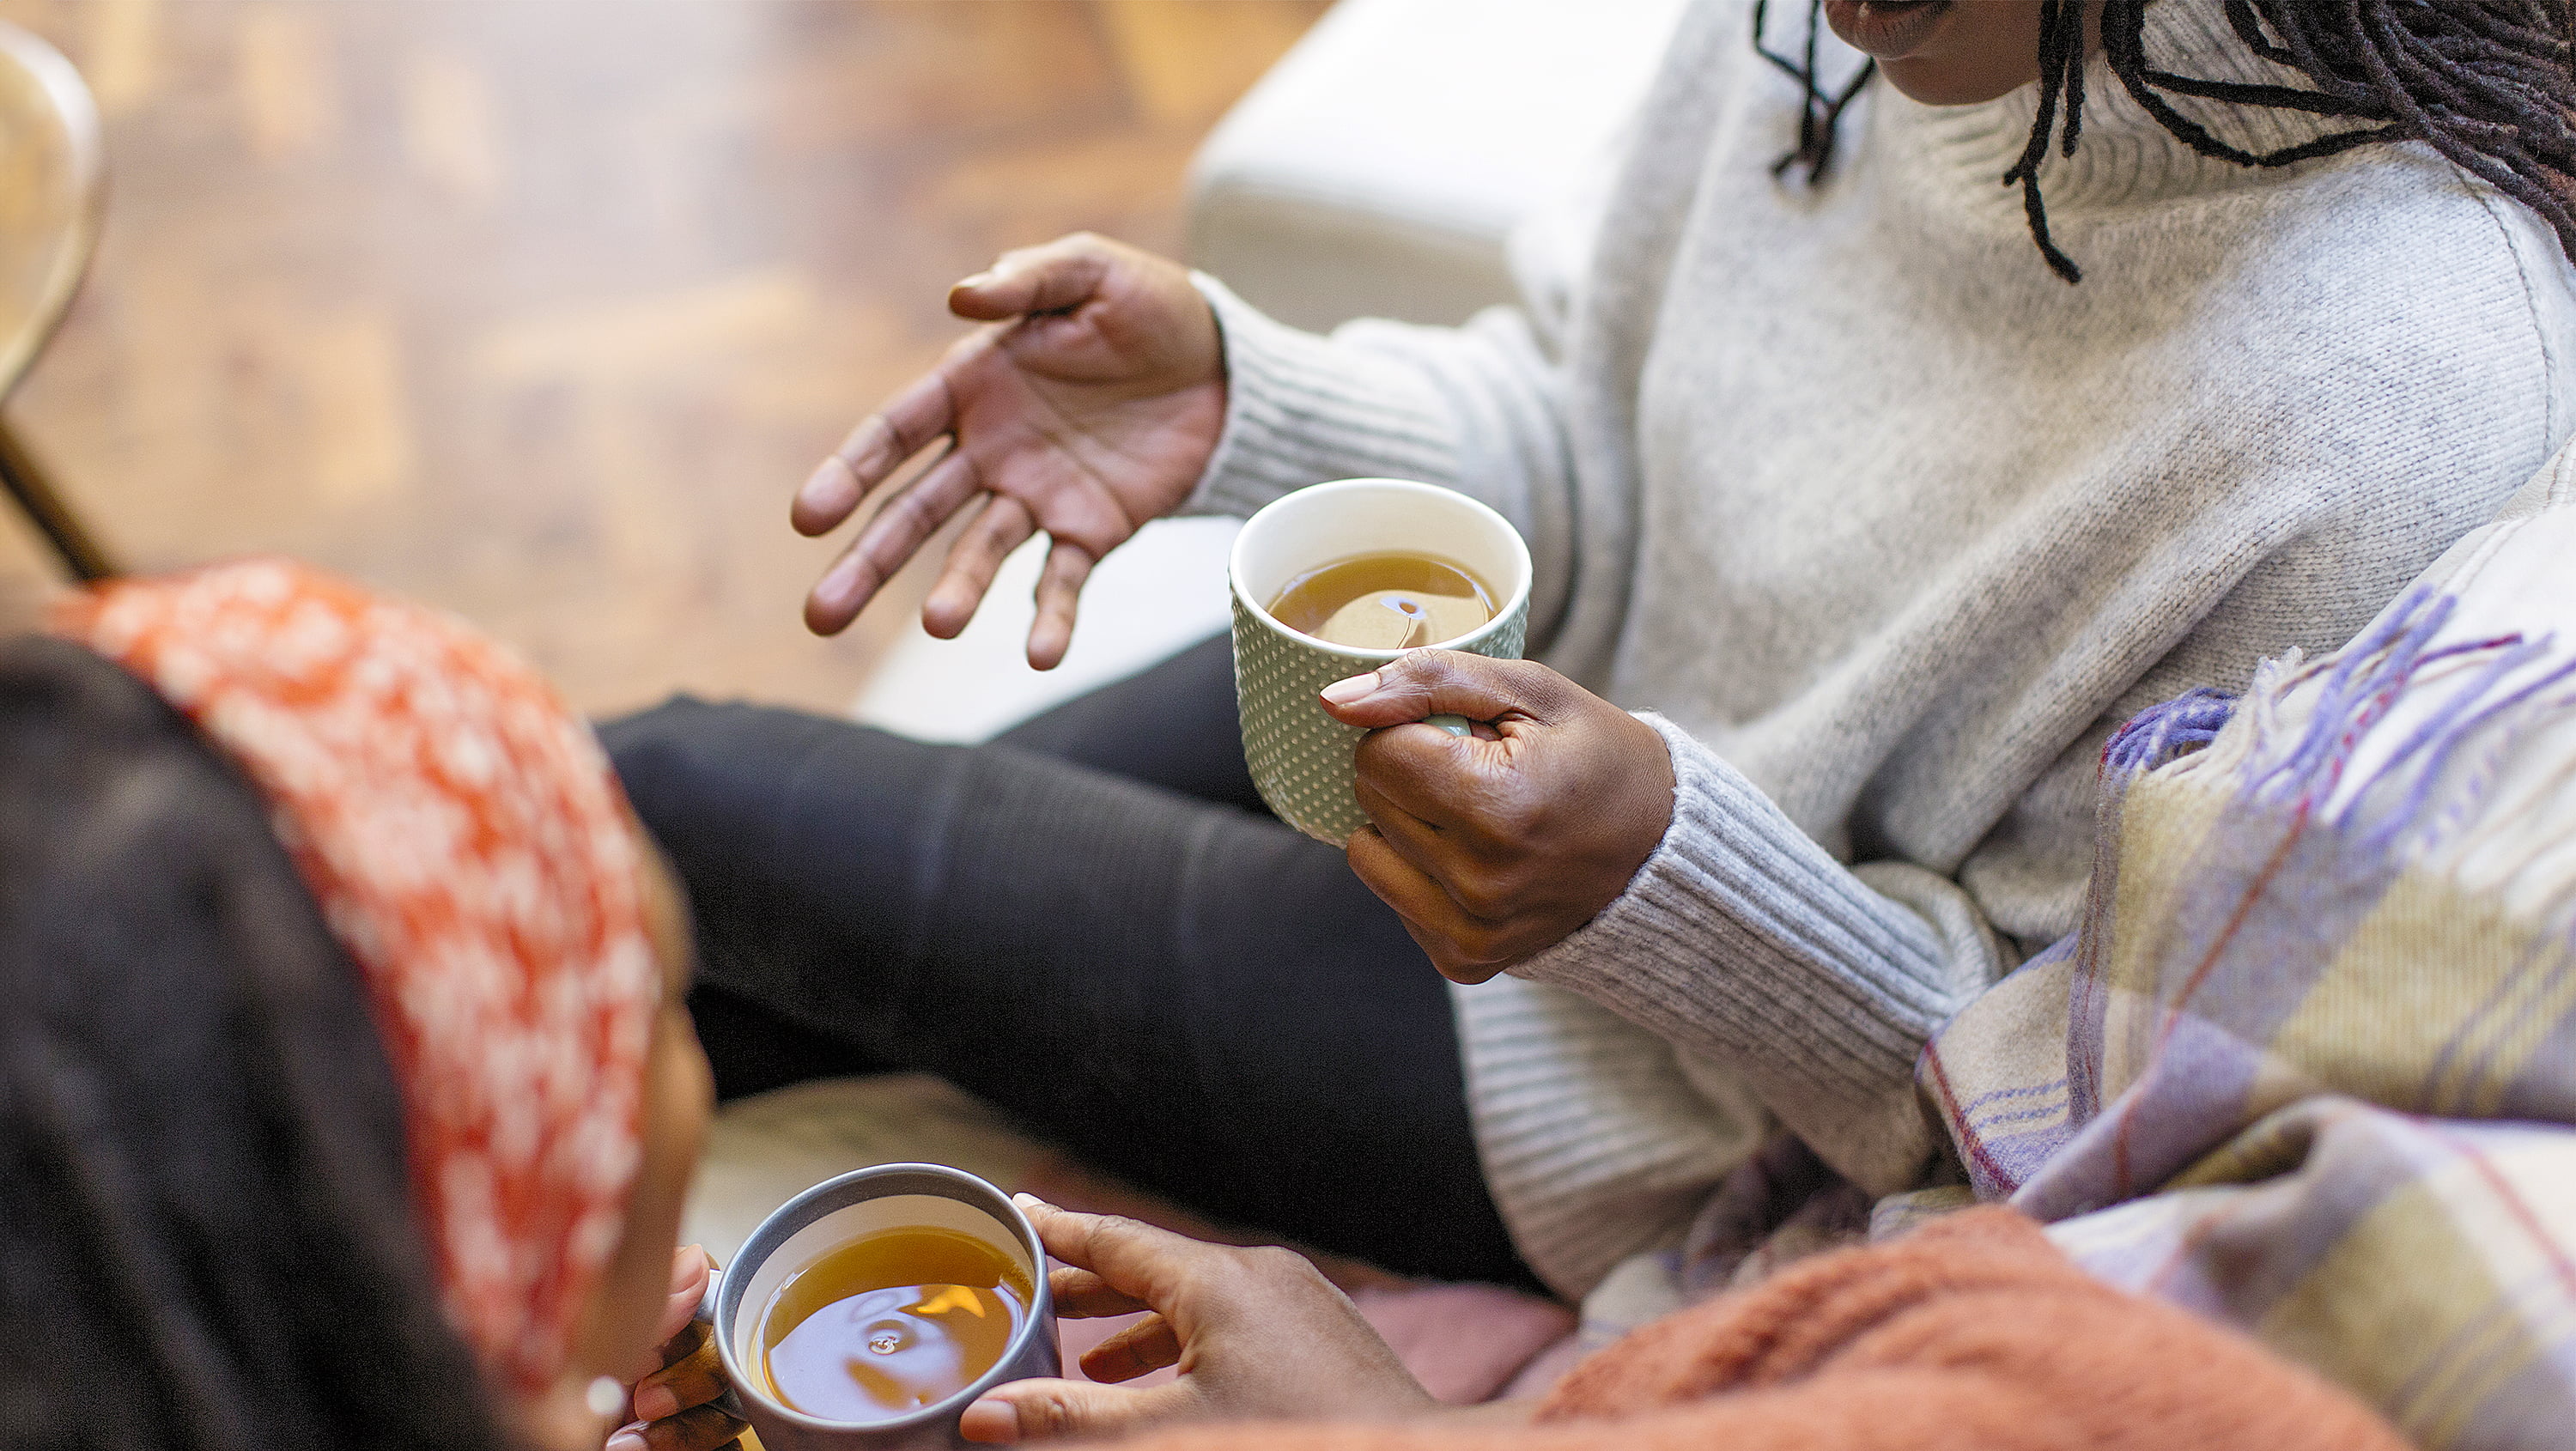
1186	993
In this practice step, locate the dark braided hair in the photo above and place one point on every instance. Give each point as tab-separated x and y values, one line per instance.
1818	112
206	1231
2490	84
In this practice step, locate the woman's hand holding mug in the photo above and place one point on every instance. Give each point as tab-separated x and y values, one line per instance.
1258	1334
673	1396
1088	405
1495	847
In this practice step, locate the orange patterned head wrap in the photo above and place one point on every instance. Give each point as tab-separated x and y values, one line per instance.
470	848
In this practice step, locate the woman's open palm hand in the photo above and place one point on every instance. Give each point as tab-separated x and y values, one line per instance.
1087	405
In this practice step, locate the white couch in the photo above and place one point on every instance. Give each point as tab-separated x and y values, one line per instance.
1377	170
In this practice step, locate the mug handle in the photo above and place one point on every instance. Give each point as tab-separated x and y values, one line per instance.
729	1402
1455	725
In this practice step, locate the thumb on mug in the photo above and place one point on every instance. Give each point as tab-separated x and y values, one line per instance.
1423	683
1040	1410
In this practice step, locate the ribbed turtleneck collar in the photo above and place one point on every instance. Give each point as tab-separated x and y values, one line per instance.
2125	155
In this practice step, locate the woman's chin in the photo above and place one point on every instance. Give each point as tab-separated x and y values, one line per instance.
1944	52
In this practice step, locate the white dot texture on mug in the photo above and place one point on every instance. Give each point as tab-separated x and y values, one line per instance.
1299	756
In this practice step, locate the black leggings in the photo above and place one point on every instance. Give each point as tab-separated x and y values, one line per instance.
1093	923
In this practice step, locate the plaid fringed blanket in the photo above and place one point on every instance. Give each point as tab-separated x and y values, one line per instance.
2309	1067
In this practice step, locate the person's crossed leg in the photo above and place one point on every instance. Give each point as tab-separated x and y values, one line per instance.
1092	923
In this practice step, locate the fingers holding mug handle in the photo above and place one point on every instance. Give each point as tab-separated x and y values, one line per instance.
684	1403
703	1321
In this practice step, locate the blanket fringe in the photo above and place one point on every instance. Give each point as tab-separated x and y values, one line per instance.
2428	791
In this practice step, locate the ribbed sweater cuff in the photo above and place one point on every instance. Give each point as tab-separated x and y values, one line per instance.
1743	940
1597	1142
1302	409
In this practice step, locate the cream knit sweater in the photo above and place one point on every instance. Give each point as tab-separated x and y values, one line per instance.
1888	526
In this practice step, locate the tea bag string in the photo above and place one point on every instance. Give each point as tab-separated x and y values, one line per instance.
1417	622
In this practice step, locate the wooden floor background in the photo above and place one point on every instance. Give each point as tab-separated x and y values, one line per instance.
539	309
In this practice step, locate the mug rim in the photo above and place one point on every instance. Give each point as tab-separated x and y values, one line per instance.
1039	1302
1517	601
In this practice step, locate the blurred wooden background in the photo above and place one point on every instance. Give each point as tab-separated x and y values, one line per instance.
538	309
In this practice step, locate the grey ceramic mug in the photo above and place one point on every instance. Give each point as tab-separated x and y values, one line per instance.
834	1212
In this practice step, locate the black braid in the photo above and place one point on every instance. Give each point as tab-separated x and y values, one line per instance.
2061	73
1819	114
2489	84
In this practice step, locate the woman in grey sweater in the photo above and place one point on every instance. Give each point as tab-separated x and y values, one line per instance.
1836	475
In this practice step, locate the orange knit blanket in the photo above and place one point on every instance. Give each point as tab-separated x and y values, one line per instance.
1972	1332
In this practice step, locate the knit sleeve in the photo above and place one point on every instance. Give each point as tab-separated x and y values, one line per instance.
1743	941
1477	408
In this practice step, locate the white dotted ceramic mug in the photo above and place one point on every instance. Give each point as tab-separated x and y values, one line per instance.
1301	757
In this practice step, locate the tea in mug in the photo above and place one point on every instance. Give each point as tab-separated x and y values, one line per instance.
889	1323
1395	601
